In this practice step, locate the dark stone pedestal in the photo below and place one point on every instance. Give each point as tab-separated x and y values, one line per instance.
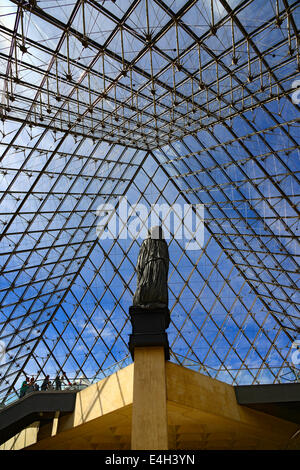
148	328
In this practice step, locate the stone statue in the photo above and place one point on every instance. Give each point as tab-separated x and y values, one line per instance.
152	272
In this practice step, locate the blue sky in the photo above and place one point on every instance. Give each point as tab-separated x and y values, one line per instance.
225	297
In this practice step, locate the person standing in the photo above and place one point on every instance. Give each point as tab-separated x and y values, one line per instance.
24	387
30	387
57	383
46	383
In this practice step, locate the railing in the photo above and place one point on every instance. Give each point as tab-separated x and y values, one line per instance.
68	383
290	373
71	384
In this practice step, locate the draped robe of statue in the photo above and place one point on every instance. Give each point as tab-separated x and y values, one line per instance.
152	272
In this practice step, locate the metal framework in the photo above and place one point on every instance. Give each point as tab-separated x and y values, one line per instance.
176	102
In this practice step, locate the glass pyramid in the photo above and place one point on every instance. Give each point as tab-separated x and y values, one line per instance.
149	102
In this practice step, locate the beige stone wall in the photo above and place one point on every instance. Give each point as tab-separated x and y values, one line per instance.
25	438
109	395
202	413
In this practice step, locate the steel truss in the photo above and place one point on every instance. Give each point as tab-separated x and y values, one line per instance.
188	103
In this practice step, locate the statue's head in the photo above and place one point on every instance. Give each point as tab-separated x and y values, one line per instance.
156	233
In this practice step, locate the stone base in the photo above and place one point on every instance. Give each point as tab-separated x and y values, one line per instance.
148	328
